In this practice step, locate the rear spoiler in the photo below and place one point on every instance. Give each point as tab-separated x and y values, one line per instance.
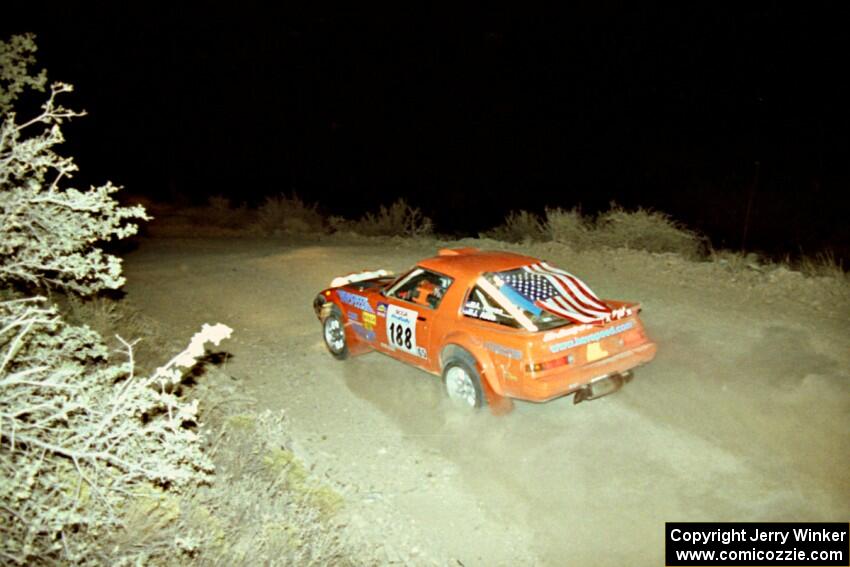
625	308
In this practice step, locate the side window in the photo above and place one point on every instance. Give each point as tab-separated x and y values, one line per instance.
422	287
479	305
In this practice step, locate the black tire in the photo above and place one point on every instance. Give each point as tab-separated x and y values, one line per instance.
462	381
333	331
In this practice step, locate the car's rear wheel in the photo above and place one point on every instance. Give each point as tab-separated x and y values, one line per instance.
463	383
333	329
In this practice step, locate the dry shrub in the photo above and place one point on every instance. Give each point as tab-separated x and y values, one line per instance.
823	264
616	228
399	219
648	230
109	318
263	507
569	227
755	268
288	214
519	226
737	262
221	213
81	438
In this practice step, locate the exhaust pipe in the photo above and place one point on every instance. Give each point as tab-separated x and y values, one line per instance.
602	386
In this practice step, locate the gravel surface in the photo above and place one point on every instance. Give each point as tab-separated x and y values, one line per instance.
743	416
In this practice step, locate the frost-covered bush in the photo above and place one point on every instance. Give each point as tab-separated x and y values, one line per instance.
48	233
79	436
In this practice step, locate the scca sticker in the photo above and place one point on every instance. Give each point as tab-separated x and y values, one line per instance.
382	309
401	329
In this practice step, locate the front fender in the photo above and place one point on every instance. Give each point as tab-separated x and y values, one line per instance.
323	304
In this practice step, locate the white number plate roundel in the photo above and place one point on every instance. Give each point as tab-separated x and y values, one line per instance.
401	329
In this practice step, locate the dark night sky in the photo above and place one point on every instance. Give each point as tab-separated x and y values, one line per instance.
471	114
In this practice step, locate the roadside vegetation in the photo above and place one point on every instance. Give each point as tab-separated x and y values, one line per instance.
282	215
616	228
641	229
110	455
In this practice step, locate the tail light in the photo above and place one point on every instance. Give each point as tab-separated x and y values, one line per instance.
634	337
550	364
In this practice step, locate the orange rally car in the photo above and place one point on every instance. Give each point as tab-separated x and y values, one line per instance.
494	325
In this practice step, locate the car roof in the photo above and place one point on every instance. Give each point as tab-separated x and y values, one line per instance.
469	263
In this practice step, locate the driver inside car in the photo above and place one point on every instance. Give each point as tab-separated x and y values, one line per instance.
426	293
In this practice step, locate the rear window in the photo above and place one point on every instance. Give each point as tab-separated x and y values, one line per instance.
522	289
480	305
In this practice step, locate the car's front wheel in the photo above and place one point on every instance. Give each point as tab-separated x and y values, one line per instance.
463	383
333	330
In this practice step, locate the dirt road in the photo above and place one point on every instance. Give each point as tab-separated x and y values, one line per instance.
743	416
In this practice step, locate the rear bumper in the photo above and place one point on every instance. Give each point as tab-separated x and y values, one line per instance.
569	380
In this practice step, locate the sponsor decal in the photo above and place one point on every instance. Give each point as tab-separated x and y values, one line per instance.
382	309
485	312
489	314
352	316
506	373
363	333
472	309
503	350
401	329
369	320
560	334
620	313
355	300
593	337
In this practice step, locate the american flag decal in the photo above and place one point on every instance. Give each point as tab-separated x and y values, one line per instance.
559	293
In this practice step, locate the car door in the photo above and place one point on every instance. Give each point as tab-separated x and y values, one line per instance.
410	307
408	331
